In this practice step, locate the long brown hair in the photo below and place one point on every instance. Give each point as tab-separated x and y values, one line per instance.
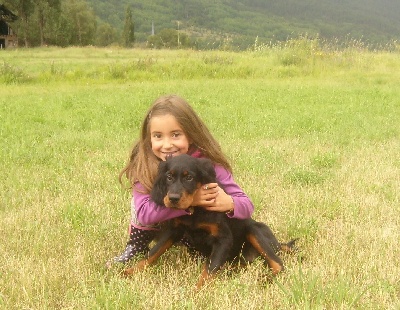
142	165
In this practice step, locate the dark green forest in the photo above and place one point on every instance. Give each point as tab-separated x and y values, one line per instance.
203	24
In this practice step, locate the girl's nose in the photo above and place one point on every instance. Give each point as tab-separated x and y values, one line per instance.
167	143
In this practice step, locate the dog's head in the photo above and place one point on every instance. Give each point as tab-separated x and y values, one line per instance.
179	178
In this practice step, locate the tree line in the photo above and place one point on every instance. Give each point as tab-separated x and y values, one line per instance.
74	22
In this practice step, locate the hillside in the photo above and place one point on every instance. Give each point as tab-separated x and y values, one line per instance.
375	22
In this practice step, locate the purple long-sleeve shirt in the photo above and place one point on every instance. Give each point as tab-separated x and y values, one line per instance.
146	213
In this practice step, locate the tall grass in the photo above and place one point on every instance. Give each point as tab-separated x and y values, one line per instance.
314	143
293	58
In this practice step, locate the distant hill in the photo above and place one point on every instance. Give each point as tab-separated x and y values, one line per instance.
241	21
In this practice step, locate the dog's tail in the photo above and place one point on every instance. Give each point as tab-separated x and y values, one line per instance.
289	247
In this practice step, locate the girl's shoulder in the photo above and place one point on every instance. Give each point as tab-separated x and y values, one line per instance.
222	173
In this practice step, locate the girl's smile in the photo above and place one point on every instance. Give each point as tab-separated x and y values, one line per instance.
167	137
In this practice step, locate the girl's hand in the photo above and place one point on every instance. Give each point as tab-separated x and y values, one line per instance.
213	198
206	195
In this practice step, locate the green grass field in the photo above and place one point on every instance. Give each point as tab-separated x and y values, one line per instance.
313	137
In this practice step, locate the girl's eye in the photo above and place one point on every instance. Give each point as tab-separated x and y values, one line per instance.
176	134
157	136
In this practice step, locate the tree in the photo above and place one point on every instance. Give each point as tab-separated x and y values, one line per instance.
106	35
128	36
46	10
81	22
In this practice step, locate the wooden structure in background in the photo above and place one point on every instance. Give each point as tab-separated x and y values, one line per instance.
8	39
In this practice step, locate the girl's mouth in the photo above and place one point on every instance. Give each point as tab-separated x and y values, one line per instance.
169	154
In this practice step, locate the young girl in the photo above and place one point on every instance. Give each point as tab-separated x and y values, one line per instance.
170	128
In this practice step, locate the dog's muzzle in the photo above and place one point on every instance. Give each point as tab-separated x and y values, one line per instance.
174	198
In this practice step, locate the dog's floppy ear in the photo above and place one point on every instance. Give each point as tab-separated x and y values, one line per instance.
159	189
206	171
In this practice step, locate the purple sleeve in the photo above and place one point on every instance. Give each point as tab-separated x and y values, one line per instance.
148	212
243	206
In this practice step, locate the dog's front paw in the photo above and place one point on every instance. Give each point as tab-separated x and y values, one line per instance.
128	272
137	268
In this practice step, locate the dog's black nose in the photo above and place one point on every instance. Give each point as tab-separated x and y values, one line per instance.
174	198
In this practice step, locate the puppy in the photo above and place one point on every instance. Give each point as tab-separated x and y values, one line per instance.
213	234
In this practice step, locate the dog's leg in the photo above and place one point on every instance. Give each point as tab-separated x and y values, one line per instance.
264	242
168	238
205	276
219	255
213	265
265	250
152	256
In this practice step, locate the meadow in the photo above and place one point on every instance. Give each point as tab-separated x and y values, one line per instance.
313	135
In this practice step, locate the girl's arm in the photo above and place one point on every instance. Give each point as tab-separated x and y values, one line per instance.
243	207
224	196
148	212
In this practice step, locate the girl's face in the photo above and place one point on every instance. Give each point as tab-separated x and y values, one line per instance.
167	137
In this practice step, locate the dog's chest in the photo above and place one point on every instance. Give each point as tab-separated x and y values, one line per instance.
205	221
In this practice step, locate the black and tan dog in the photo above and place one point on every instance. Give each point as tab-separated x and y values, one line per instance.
213	234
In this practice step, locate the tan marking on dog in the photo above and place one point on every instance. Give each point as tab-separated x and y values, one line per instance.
204	277
142	264
210	227
275	266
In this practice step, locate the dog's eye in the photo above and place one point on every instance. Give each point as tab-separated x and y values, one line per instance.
189	178
169	177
